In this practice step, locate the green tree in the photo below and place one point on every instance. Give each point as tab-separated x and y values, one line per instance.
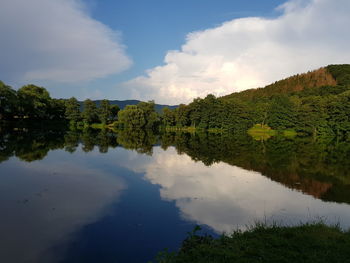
181	116
57	109
8	101
104	111
281	113
132	117
168	117
34	101
114	112
90	112
72	111
150	115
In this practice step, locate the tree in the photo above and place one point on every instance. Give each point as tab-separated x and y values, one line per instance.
168	117
8	101
114	112
281	113
57	109
104	111
34	101
90	112
72	112
132	117
149	113
181	116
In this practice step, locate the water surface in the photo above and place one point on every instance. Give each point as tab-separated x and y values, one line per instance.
97	196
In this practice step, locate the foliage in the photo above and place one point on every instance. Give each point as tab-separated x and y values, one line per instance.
314	103
341	73
261	132
90	113
105	111
8	101
313	242
140	116
29	102
72	111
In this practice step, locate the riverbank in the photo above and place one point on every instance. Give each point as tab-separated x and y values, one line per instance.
305	243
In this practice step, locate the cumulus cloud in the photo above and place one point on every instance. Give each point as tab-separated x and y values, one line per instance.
251	52
56	40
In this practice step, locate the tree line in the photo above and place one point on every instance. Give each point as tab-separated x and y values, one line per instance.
315	103
309	107
31	102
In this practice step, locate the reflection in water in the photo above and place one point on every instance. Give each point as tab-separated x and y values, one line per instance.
320	169
222	181
47	202
225	197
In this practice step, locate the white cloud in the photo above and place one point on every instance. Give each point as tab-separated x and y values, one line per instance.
56	40
251	52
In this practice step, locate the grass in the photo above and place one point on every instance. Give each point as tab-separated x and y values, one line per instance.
308	243
190	129
216	130
98	125
290	133
261	132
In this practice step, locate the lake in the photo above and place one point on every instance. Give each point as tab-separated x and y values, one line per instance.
98	196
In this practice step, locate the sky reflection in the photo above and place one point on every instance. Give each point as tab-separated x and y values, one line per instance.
46	202
71	207
227	197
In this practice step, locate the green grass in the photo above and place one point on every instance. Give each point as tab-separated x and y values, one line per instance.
182	129
215	130
289	133
309	243
98	125
261	132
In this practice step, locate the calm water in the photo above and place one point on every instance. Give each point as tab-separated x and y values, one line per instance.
105	197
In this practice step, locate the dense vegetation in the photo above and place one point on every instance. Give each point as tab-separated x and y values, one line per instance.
33	103
29	102
315	103
306	243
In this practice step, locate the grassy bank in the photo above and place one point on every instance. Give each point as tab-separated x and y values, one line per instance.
305	243
261	132
180	129
264	132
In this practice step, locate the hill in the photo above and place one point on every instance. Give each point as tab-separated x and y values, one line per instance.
315	103
330	76
123	103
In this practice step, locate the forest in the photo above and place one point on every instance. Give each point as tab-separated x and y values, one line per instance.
315	103
310	104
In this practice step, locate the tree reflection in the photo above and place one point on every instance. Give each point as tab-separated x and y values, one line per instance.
140	140
318	168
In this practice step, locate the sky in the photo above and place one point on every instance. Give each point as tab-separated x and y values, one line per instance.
166	50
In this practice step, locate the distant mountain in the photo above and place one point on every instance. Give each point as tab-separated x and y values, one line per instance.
123	103
331	75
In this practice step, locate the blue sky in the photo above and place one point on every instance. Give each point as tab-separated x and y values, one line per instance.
150	28
169	51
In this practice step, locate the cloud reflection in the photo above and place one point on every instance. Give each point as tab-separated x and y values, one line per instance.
226	197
